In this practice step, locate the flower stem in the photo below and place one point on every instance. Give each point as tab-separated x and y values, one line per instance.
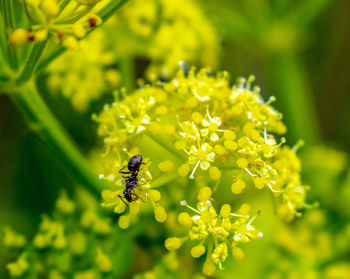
297	99
10	25
32	62
54	137
128	73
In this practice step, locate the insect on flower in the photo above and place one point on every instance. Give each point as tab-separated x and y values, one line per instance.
131	181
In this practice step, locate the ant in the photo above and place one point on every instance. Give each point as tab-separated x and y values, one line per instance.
133	166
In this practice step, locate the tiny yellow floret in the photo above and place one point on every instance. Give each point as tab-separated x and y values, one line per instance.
259	182
173	243
154	195
185	219
104	264
183	170
134	208
18	37
238	186
124	222
160	214
214	173
238	253
225	210
242	163
204	193
197	117
244	209
166	166
197	251
229	135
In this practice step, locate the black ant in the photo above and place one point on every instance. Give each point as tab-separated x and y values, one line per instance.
133	166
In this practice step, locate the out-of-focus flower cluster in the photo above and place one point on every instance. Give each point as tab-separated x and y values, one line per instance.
200	131
63	22
165	32
86	73
75	242
312	248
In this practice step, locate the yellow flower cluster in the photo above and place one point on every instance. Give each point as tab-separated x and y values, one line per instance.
165	32
215	233
68	238
90	73
199	131
212	127
63	22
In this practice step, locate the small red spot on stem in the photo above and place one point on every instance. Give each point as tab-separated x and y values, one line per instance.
92	22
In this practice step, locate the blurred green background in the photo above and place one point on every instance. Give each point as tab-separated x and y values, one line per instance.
298	51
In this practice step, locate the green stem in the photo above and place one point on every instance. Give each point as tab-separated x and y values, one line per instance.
104	13
10	26
55	138
166	145
32	62
128	73
110	8
297	100
49	59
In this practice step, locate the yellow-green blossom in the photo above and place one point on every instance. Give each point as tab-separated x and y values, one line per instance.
141	194
310	248
75	239
63	22
210	130
84	75
166	32
215	234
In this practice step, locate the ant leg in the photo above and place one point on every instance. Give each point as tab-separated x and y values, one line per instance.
124	172
122	168
123	200
132	193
